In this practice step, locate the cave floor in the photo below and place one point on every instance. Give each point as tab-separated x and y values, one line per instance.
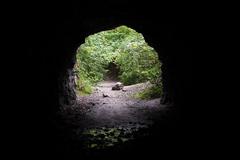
109	118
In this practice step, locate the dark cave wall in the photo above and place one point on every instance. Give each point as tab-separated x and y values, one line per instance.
55	34
170	41
173	43
67	86
56	31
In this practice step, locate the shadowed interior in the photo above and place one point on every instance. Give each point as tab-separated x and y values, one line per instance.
54	36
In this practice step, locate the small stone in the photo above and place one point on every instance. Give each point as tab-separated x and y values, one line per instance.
105	95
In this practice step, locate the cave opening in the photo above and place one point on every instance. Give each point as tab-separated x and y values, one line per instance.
117	82
120	54
53	33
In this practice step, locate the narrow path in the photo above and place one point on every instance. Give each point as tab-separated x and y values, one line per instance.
111	118
119	107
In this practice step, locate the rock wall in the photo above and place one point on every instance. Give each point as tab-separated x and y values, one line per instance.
67	86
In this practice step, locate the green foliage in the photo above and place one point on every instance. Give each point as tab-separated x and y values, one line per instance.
107	137
150	93
123	46
138	63
100	138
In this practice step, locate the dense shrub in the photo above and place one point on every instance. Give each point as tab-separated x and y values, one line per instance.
152	92
123	46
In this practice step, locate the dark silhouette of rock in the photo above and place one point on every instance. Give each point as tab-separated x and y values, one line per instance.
124	90
105	95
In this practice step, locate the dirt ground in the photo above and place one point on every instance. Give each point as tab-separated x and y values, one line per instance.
109	118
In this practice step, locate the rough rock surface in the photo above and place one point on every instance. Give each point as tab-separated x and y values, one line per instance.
67	94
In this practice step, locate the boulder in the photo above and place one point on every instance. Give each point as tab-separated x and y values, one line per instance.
117	86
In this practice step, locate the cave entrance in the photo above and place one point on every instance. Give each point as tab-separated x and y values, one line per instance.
118	79
120	54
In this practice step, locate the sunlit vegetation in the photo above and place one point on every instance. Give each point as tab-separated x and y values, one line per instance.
152	92
136	60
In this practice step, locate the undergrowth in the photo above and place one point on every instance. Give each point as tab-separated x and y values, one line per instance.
123	46
149	93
